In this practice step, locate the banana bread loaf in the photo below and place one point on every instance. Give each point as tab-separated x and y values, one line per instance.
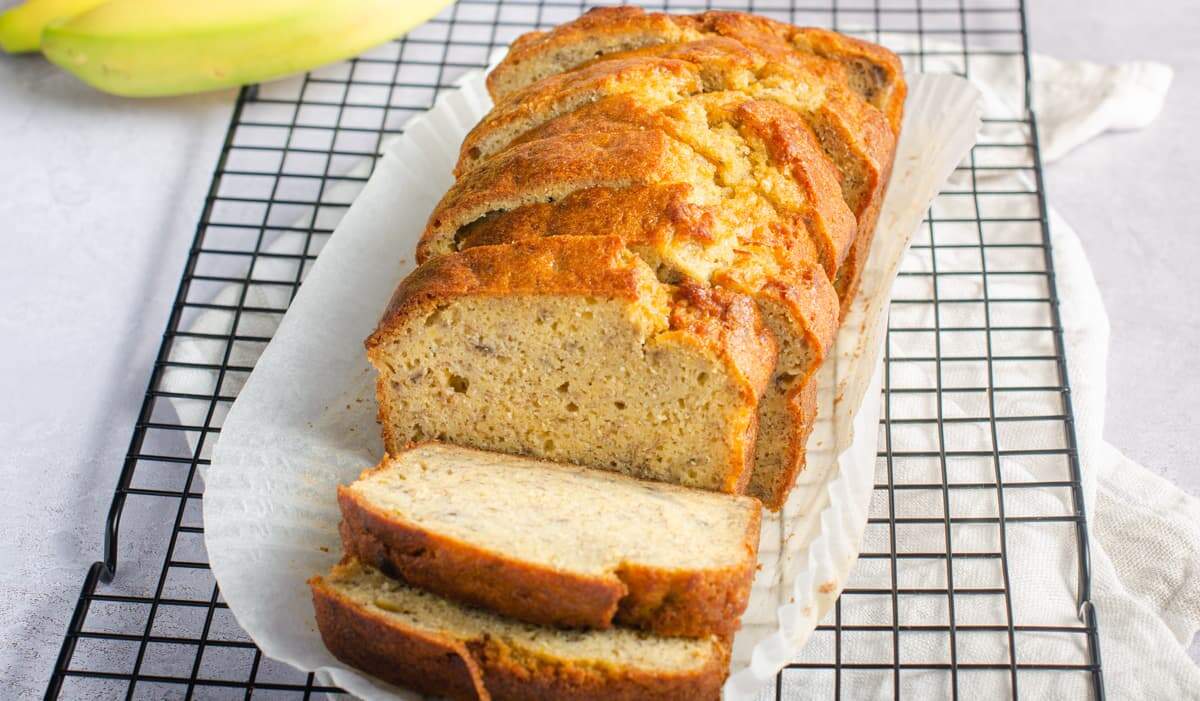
640	268
726	150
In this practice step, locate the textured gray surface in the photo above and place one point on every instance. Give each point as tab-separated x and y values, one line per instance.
96	213
1132	198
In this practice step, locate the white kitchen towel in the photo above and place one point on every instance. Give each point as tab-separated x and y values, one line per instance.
1145	532
1145	537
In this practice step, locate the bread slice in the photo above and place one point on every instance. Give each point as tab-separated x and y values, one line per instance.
569	348
617	155
412	638
873	71
555	544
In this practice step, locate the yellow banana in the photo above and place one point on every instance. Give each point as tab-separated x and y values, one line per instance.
168	47
21	27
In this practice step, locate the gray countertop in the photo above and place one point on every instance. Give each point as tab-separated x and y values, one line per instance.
1132	198
94	232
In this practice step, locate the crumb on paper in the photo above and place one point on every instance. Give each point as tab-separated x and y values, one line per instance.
827	587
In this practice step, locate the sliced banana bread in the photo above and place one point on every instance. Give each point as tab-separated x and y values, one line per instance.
569	348
416	639
874	72
854	134
871	72
617	155
555	544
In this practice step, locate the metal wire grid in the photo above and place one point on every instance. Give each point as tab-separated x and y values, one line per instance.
296	154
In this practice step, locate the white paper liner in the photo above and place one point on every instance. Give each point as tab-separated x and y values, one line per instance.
305	420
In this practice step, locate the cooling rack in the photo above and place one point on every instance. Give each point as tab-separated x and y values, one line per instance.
296	153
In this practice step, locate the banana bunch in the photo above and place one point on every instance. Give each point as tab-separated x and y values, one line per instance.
144	48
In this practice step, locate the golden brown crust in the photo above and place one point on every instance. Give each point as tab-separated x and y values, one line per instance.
592	31
539	171
623	88
601	267
870	69
429	664
564	92
799	288
873	71
673	603
793	147
651	216
773	489
849	128
691	603
758	219
657	75
878	74
485	667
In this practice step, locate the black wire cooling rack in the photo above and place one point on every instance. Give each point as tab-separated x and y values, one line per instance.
296	153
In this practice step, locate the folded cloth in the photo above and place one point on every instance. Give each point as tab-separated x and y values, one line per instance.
1144	532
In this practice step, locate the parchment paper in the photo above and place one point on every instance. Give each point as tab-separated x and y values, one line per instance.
304	422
